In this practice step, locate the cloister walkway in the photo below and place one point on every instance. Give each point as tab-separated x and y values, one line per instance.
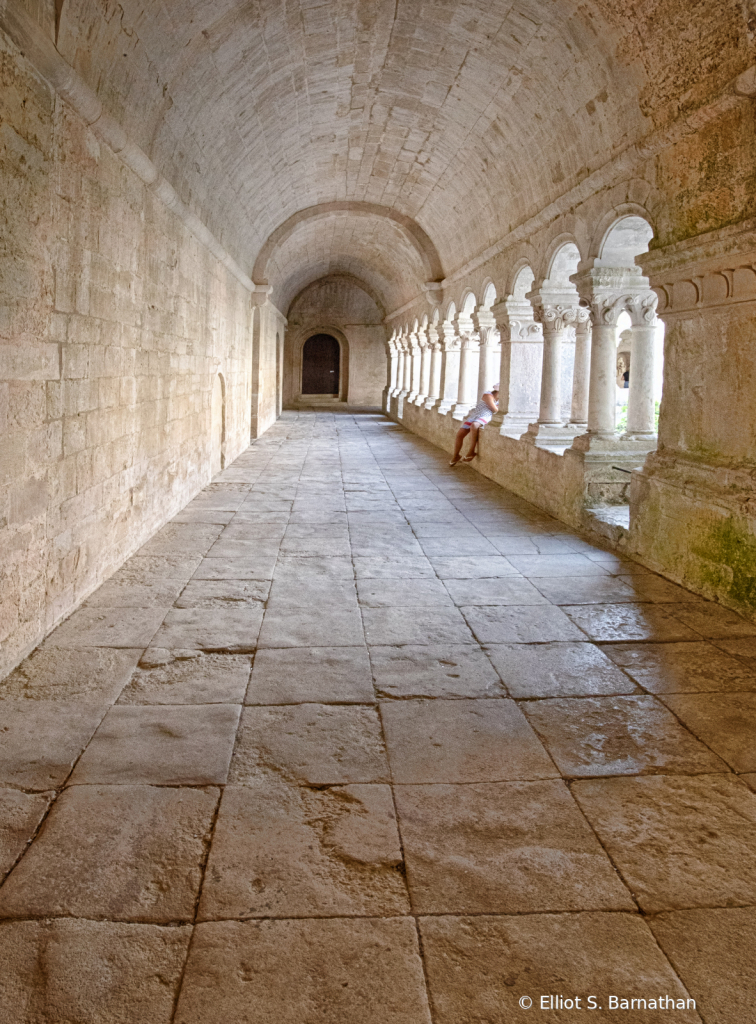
361	739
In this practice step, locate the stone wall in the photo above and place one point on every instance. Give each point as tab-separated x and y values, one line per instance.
340	306
114	324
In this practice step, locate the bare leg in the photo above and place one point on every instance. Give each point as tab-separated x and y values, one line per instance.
473	450
458	442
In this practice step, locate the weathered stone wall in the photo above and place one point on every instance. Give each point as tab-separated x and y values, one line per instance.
694	505
114	324
340	306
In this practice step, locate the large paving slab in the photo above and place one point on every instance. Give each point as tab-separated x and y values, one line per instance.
337	971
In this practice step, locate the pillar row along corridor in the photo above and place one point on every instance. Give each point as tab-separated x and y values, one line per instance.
299	723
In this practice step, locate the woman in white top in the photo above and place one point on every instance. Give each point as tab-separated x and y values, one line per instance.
476	420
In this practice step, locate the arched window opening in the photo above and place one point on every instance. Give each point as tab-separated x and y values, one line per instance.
625	240
321	363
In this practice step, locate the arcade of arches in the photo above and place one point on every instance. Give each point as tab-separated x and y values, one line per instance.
300	724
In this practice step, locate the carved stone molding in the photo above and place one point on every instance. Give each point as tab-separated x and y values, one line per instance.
704	274
516	323
609	291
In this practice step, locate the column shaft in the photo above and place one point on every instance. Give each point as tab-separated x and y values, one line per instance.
581	373
602	399
551	375
640	401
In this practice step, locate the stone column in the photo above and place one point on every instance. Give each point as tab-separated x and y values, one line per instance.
602	394
640	401
469	358
414	358
391	368
425	360
399	367
581	371
449	386
556	311
610	291
434	386
519	367
407	381
490	349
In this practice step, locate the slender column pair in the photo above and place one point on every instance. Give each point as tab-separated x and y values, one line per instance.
610	292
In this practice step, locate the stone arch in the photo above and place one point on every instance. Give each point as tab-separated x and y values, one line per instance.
489	294
627	236
468	303
522	282
416	236
563	261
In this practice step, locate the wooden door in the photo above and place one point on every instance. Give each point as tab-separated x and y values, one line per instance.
320	365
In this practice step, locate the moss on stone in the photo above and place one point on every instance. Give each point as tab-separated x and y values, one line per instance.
728	552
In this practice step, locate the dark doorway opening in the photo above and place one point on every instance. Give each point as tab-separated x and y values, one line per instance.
320	366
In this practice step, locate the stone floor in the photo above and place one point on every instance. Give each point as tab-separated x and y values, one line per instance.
361	739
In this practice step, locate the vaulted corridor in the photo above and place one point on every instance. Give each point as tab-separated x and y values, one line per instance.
357	737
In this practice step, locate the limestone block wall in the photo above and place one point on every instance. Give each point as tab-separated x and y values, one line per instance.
338	305
694	505
115	323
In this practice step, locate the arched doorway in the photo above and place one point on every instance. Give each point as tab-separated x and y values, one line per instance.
321	359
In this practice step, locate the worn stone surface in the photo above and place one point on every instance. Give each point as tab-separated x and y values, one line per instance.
565	669
284	972
480	967
393	626
110	627
713	952
433	670
289	851
90	971
122	852
316	744
169	746
461	741
522	624
214	628
627	735
20	815
187	677
91	675
682	667
510	847
41	740
323	675
630	622
678	842
726	722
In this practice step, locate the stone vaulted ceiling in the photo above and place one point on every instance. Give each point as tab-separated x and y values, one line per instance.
462	117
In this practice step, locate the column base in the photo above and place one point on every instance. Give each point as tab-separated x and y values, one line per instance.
431	402
510	424
550	434
444	407
459	412
630	444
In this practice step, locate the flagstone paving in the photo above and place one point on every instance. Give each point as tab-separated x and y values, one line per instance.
358	738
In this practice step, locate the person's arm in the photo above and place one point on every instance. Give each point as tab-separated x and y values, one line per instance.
491	402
